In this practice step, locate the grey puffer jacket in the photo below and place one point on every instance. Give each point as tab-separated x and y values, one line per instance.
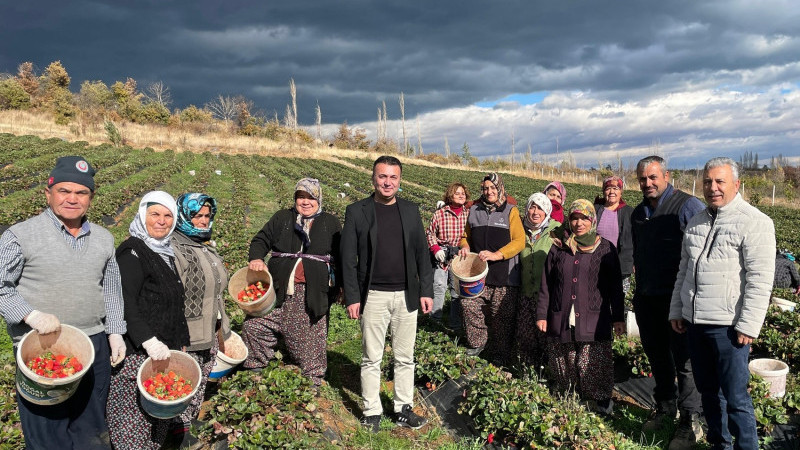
727	268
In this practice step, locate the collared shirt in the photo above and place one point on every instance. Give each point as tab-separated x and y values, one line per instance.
687	211
14	308
446	227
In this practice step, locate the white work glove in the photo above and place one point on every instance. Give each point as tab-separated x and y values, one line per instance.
43	323
441	255
156	349
118	349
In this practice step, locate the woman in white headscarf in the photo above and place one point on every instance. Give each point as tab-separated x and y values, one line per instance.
538	225
154	311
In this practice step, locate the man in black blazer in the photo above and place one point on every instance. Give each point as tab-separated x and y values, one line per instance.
387	277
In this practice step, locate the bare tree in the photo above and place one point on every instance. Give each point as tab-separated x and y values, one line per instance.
446	148
158	93
379	134
419	137
293	92
385	119
403	119
512	148
288	120
319	122
529	160
224	108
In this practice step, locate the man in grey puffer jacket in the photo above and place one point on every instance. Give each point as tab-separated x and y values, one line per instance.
721	297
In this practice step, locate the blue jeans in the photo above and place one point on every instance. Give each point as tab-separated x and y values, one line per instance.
721	376
442	282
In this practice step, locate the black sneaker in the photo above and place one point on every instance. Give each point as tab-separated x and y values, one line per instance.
407	418
373	423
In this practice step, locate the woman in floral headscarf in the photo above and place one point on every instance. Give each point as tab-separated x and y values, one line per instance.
538	225
303	242
579	300
614	224
204	279
493	231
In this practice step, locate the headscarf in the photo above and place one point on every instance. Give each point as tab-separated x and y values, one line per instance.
303	224
497	181
190	204
613	180
589	242
560	188
542	202
138	228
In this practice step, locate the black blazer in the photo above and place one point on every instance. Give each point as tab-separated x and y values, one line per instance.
358	247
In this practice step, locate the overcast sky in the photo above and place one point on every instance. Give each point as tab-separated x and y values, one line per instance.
602	79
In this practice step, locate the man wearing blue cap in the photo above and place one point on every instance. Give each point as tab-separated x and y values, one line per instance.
57	268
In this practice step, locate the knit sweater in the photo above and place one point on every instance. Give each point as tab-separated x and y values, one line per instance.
154	297
204	279
59	280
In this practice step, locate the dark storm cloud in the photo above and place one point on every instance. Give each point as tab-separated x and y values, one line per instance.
350	56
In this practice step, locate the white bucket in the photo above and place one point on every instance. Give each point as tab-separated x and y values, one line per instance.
773	371
783	304
631	327
237	353
180	362
41	390
245	277
470	272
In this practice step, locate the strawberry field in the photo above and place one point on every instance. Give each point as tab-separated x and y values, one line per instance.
511	408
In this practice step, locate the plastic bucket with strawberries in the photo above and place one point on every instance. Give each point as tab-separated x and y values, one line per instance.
68	341
243	278
180	363
235	354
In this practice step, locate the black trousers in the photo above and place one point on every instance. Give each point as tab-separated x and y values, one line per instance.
668	353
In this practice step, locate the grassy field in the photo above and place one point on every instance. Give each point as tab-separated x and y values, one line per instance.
249	189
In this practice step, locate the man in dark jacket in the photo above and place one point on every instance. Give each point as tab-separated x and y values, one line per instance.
657	224
387	277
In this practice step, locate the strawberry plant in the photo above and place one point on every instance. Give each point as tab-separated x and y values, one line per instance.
628	350
439	359
273	408
769	410
524	413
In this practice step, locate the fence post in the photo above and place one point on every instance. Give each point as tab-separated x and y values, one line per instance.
694	185
773	195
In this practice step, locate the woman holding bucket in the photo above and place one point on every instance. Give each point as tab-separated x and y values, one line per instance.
154	311
304	245
204	279
579	300
443	234
538	225
493	231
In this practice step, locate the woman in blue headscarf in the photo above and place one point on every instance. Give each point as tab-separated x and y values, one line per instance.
204	281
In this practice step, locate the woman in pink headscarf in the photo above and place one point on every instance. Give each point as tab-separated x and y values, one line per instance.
557	194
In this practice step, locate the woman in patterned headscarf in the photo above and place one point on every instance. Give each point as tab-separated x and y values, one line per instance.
303	242
614	224
204	280
493	231
579	300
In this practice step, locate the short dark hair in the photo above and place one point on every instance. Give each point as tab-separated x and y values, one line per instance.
644	162
388	160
